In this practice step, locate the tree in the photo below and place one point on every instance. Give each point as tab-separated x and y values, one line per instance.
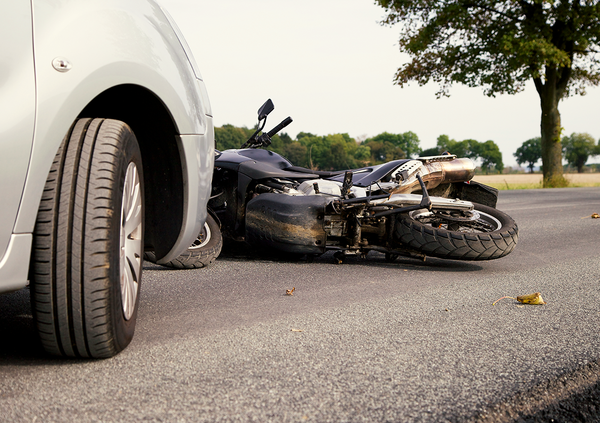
386	146
279	142
459	148
529	152
578	148
409	142
488	152
433	151
383	149
229	136
296	153
500	45
362	154
341	153
330	152
490	155
315	149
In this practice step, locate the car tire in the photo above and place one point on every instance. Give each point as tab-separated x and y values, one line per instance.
88	243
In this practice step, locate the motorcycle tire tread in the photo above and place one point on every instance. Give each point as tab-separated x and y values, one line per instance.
456	245
196	258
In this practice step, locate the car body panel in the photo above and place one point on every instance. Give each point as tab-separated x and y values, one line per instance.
199	191
102	44
17	105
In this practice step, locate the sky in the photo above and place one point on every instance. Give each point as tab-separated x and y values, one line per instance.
330	65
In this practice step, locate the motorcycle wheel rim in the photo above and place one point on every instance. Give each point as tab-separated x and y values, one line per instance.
474	221
203	238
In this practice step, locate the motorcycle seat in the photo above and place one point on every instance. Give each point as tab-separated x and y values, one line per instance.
321	173
261	170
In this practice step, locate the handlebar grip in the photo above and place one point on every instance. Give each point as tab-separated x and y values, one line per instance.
279	127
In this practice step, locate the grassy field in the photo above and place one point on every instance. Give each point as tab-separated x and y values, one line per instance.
530	181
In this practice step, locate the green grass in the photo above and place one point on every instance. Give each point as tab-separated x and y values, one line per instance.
511	186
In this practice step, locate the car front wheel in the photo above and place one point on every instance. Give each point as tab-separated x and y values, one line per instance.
88	243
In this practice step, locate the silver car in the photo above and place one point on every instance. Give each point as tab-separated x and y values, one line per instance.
106	150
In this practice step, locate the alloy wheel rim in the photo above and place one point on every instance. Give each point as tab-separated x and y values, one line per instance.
131	240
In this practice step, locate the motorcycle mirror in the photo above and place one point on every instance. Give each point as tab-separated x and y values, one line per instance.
265	109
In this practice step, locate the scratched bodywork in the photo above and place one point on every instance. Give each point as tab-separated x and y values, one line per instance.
294	225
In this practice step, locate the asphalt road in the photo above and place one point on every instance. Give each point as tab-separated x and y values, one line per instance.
363	341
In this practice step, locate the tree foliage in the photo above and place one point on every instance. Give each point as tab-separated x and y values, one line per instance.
386	146
459	148
529	152
330	152
229	136
489	154
340	151
578	147
500	45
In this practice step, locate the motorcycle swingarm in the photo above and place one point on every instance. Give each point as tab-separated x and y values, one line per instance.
409	200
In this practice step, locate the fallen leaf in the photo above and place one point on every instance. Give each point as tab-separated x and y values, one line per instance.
595	216
535	298
290	291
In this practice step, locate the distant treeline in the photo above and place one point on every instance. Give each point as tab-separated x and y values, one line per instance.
340	151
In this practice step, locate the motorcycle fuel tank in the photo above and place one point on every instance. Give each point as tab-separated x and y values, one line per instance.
293	224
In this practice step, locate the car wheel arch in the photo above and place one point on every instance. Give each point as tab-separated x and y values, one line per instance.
156	131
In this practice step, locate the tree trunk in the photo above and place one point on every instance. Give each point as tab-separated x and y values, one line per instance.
550	94
551	146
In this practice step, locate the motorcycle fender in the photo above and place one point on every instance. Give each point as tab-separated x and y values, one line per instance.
477	192
293	224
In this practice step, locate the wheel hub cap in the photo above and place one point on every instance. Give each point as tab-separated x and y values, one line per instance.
131	240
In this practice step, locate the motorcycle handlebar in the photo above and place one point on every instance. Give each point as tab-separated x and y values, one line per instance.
279	127
264	140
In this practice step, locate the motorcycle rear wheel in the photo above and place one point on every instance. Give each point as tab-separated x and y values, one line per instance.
484	234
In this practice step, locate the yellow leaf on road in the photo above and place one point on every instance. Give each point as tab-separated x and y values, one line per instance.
535	298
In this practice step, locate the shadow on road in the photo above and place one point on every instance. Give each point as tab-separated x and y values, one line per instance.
241	252
20	343
571	397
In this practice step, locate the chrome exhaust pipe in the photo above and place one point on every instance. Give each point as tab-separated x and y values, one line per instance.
434	173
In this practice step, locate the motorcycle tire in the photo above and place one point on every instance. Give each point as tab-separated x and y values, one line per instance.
486	235
201	253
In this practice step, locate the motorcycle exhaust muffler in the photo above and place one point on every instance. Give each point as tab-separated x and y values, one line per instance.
433	172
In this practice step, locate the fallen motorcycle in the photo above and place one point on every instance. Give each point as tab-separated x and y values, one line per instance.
421	207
